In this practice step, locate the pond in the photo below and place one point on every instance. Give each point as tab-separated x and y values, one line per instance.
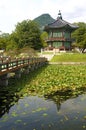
58	111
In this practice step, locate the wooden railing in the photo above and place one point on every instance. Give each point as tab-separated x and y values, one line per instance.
12	65
56	38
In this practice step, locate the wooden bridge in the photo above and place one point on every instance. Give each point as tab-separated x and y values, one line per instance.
18	66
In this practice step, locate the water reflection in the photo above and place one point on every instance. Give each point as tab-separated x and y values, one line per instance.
42	113
60	97
8	99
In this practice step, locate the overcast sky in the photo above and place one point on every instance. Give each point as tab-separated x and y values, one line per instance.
14	11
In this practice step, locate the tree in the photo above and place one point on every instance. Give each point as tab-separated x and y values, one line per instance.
12	42
80	36
28	34
44	36
3	40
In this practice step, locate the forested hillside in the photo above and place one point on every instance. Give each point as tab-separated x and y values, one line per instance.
44	19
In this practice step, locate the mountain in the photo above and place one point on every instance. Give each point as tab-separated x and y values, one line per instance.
43	20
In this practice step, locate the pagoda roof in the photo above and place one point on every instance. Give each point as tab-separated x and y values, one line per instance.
60	23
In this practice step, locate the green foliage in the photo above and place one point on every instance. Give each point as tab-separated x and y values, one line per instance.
28	34
27	52
80	36
44	36
12	42
13	53
50	79
55	78
3	40
8	42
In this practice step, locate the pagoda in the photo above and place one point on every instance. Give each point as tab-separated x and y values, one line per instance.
59	34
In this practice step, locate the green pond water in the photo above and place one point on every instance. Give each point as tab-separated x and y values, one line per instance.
60	111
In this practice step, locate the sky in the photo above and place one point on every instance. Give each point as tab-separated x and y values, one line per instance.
14	11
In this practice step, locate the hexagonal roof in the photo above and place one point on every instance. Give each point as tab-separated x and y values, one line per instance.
60	23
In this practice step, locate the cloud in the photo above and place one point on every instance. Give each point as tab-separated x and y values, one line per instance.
13	11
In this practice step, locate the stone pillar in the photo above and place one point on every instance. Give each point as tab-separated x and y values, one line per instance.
18	73
27	70
32	67
36	66
4	79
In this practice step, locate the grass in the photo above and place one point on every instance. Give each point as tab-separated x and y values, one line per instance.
69	57
45	53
